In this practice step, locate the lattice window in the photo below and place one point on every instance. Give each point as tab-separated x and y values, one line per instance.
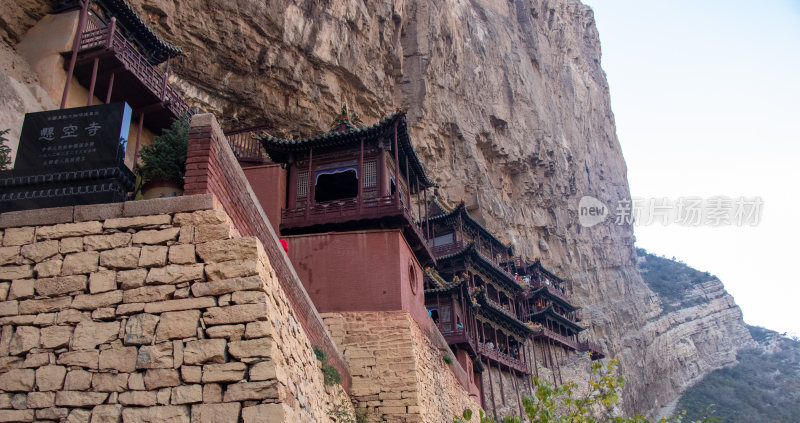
302	184
370	175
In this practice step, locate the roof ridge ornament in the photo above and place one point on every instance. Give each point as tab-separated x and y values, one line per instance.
346	121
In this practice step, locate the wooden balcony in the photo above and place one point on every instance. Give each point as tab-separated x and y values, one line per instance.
502	359
246	146
595	349
456	336
135	81
354	213
535	285
558	338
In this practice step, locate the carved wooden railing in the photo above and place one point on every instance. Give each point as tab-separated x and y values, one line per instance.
447	249
567	342
502	358
591	347
245	144
156	81
550	288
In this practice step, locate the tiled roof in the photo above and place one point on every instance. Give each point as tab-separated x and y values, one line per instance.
461	210
471	250
157	50
499	313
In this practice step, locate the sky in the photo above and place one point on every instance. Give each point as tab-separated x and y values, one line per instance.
705	95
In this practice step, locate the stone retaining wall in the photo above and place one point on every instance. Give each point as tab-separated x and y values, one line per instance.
151	318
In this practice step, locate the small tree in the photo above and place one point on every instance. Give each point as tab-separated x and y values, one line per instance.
5	151
165	158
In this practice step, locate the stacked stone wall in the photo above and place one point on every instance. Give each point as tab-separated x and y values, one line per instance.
110	316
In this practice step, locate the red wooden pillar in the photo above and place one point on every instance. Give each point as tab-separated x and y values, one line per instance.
408	187
163	95
76	43
309	193
396	169
110	87
361	179
93	81
138	138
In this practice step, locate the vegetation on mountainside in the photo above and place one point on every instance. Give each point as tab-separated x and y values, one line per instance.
5	151
670	279
568	403
764	386
329	373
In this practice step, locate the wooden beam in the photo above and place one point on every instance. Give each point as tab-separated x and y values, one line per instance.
76	42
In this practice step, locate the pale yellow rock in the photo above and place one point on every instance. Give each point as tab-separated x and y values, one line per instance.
102	281
120	258
233	269
202	217
89	302
41	399
226	286
79	398
45	319
249	297
18	236
147	294
25	338
216	413
20	289
4	287
138	398
158	356
109	382
224	372
191	374
164	414
70	316
106	242
89	335
64	230
35	360
204	351
140	329
187	394
17	380
122	359
187	235
136	382
9	308
44	306
156	236
177	324
175	273
230	249
50	378
79	415
55	336
8	273
231	332
212	393
104	313
244	391
181	304
48	269
78	380
53	413
130	308
10	255
87	359
106	413
40	251
129	279
181	254
60	285
80	263
206	233
162	395
258	330
71	245
259	347
153	256
16	415
263	370
137	222
242	313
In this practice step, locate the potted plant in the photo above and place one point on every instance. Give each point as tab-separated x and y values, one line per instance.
163	162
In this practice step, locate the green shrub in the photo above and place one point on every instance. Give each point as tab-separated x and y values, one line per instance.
5	151
330	374
447	359
165	158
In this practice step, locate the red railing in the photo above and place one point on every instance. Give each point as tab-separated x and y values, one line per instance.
535	309
502	358
456	336
550	288
567	342
111	39
508	310
245	145
447	249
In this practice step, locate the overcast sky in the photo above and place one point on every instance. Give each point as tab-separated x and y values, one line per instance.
705	95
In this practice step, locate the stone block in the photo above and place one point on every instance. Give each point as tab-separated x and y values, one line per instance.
244	391
263	370
181	304
102	281
204	217
138	398
120	258
153	256
225	286
158	356
175	273
110	382
216	413
70	315
231	249
97	212
159	378
107	413
212	393
177	325
182	254
79	398
44	306
9	273
148	294
89	335
106	242
77	380
137	222
204	351
71	245
187	394
122	359
80	263
65	230
40	251
41	399
16	415
17	380
55	336
87	359
25	339
18	236
163	414
140	328
129	308
10	255
136	382
60	285
90	302
79	415
259	347
224	372
233	269
258	330
191	374
129	279
206	233
34	360
153	237
52	413
230	332
48	269
50	378
9	308
242	313
248	297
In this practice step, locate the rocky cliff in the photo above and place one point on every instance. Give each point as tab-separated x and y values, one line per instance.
509	110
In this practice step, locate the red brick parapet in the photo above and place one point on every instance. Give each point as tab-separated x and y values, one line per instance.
211	167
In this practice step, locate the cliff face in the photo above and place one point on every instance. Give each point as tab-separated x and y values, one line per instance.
510	112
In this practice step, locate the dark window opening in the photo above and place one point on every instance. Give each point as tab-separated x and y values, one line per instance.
337	185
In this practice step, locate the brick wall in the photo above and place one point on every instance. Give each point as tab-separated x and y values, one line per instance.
211	167
149	311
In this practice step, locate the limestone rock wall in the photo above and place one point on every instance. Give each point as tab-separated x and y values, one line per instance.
399	375
164	317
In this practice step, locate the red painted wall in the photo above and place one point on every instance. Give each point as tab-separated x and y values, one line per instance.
269	185
359	271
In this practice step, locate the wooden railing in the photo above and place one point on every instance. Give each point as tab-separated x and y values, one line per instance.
456	335
590	346
550	288
245	145
535	309
156	81
510	311
502	358
447	249
567	342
